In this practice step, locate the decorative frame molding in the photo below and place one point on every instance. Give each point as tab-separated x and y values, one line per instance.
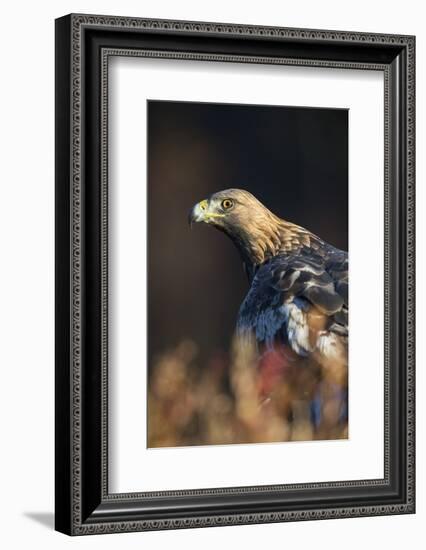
84	43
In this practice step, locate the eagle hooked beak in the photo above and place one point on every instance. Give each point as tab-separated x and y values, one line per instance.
200	213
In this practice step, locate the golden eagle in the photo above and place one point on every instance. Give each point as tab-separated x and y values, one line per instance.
297	304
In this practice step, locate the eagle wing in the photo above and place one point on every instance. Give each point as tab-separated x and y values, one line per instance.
300	300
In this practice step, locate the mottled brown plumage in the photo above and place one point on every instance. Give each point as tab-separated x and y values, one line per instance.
258	233
298	296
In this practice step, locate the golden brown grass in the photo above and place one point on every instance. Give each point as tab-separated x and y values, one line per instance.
225	402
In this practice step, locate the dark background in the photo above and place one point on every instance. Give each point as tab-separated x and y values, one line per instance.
294	160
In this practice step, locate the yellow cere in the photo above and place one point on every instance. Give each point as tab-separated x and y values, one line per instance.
203	205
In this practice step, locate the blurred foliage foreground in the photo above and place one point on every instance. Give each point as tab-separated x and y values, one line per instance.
242	399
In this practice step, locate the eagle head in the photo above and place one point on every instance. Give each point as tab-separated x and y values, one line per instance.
256	231
227	210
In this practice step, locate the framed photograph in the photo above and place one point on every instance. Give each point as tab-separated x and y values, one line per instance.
222	193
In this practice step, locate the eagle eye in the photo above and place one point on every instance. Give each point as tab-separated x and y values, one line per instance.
227	204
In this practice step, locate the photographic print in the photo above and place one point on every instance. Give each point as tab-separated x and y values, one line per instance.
206	177
247	274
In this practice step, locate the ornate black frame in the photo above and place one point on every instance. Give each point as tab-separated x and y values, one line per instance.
83	46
